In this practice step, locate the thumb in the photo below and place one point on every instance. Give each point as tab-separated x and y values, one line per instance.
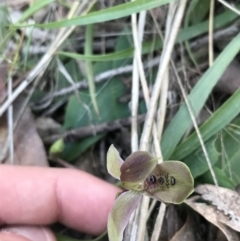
26	233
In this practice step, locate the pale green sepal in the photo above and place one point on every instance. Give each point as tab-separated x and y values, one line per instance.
120	213
114	162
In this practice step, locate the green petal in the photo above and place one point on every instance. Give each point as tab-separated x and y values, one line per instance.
170	182
120	213
137	167
114	162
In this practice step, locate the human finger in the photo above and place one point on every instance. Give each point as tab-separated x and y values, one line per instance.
26	233
40	196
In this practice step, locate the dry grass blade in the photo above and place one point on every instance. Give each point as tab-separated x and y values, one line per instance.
135	87
210	35
138	38
228	5
165	58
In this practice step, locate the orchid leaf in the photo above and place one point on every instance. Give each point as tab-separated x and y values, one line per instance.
170	182
136	168
120	213
114	162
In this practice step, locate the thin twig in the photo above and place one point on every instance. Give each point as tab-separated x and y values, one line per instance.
218	35
82	84
82	132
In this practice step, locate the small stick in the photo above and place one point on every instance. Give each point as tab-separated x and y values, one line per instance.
80	133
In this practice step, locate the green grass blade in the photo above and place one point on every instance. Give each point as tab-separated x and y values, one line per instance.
189	11
184	35
197	98
112	13
4	20
223	116
223	180
89	67
34	8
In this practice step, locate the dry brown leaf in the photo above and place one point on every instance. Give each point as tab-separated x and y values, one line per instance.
224	200
28	147
221	209
186	233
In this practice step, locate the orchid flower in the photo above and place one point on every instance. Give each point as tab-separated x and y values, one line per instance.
140	174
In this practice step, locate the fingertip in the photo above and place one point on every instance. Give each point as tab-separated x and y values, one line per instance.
41	196
26	233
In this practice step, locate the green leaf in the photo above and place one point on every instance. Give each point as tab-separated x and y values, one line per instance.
114	162
228	143
197	98
220	118
222	179
112	13
74	150
109	110
199	11
135	170
4	19
89	66
232	168
197	161
80	111
170	182
124	42
120	213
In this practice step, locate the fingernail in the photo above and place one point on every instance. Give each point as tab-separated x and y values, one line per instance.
33	233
